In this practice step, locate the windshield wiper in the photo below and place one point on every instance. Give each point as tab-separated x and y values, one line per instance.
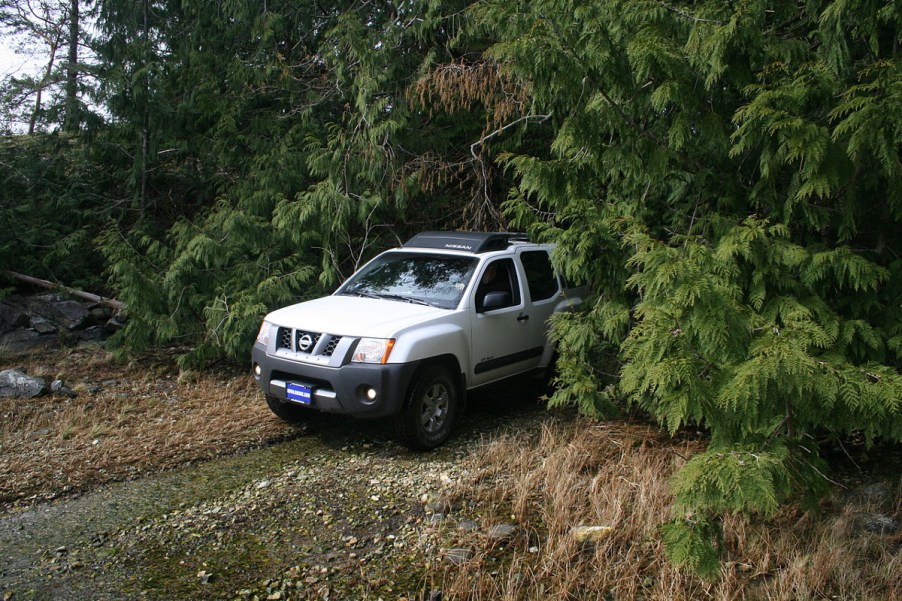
361	294
418	301
387	295
401	297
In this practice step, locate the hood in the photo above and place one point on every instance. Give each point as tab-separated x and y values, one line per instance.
353	316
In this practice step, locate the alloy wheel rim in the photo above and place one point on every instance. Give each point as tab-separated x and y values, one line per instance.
435	408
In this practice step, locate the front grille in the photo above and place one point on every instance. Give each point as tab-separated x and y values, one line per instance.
285	339
300	341
330	347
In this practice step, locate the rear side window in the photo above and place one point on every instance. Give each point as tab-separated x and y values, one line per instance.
540	276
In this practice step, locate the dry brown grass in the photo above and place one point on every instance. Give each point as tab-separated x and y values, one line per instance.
143	418
617	474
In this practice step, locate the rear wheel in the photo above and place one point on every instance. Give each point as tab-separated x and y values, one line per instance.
290	412
430	410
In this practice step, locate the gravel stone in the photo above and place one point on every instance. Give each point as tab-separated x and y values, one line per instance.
502	532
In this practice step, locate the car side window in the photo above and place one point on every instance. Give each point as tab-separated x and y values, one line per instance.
540	278
498	276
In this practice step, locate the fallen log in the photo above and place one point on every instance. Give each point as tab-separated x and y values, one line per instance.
94	298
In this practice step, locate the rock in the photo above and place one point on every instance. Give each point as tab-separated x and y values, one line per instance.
31	322
879	494
69	314
114	324
591	535
58	387
437	504
459	555
19	341
12	316
14	383
502	532
42	326
91	334
205	577
100	314
877	523
465	525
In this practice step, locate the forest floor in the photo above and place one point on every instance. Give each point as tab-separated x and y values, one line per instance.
156	484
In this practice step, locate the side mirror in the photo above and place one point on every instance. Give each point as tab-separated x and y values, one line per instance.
496	300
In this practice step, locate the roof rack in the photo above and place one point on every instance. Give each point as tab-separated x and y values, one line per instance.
475	242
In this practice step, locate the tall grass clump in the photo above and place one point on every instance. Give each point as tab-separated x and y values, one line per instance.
618	475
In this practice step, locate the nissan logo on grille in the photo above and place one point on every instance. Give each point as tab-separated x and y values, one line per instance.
305	342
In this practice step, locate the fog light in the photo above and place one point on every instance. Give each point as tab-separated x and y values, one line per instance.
371	394
257	370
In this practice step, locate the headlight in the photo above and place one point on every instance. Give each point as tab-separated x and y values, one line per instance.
263	334
373	350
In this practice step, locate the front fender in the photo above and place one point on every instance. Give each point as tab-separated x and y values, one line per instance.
432	341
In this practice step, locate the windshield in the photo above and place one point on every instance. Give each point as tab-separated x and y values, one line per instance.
427	279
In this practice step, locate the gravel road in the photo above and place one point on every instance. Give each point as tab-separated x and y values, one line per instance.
339	513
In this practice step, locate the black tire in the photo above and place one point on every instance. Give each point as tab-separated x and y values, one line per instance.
289	412
430	409
546	384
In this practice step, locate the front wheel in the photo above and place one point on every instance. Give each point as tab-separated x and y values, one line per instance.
430	410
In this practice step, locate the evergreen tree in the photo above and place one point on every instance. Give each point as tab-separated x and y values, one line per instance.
48	93
299	121
726	175
52	206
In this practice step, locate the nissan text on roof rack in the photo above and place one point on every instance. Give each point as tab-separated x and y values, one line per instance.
413	330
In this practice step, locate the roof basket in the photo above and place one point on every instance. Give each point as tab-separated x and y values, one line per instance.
475	242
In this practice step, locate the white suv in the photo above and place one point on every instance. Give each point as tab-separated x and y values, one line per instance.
413	330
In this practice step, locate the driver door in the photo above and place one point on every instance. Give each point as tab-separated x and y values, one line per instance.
502	343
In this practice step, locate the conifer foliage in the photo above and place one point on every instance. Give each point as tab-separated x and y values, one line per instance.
727	176
724	175
286	130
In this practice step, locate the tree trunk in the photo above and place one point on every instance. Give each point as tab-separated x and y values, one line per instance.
73	112
88	296
48	72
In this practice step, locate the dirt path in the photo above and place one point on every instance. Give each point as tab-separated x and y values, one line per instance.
39	546
338	514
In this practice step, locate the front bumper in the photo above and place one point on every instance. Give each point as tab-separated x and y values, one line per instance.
340	389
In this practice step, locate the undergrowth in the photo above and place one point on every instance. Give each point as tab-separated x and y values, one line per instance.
617	474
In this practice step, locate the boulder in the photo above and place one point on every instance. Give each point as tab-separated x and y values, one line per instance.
32	322
12	316
69	314
19	341
14	383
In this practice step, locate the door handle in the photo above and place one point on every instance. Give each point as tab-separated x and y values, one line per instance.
522	317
